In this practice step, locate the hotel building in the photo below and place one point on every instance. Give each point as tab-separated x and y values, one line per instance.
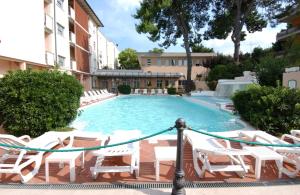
291	76
58	33
157	71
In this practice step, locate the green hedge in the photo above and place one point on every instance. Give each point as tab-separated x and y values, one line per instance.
172	91
124	89
274	110
33	103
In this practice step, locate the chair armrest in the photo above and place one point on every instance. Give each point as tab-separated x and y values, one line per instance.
295	139
260	137
25	138
295	132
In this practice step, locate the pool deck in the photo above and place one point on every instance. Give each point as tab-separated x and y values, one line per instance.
147	170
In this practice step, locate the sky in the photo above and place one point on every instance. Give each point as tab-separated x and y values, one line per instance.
119	27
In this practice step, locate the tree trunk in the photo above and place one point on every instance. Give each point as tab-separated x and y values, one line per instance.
181	23
236	33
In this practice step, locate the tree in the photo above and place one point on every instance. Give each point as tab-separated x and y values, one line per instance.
269	71
231	16
170	20
199	48
157	50
128	59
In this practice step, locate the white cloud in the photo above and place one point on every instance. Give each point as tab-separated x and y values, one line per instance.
262	39
127	4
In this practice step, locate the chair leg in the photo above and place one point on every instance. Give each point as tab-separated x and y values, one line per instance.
199	171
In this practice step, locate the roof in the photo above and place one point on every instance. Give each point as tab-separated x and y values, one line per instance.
135	73
91	12
174	54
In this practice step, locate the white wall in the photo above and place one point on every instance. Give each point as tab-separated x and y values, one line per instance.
93	44
22	30
63	42
108	52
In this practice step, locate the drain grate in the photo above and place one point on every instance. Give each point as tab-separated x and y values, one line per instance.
148	185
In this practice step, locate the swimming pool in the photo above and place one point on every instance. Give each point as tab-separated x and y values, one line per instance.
213	99
151	114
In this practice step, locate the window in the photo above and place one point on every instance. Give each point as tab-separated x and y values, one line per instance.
60	29
292	84
185	62
148	62
180	82
173	63
136	83
158	61
159	84
166	83
60	3
61	61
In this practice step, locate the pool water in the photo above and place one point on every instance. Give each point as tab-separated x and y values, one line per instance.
213	100
151	114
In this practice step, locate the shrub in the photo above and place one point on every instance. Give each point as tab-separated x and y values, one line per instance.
33	103
269	71
222	72
275	110
172	91
124	89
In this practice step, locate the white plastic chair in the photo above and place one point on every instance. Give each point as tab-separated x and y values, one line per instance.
152	91
290	154
25	158
159	92
145	91
203	146
131	149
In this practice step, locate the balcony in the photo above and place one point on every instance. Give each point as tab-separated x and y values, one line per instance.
72	38
48	1
73	64
49	58
71	13
48	23
286	33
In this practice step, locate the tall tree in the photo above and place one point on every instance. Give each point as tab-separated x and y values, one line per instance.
128	59
157	50
231	16
170	20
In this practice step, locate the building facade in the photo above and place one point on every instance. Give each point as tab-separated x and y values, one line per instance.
108	53
291	78
177	63
58	33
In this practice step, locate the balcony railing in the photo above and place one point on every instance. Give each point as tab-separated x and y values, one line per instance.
49	58
73	64
48	22
72	38
71	13
286	33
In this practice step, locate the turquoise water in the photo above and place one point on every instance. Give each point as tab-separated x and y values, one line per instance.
151	114
213	100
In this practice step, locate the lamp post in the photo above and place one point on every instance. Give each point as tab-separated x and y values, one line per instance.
178	182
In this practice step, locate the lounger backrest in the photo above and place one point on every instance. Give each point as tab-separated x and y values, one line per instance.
10	140
98	92
86	94
105	91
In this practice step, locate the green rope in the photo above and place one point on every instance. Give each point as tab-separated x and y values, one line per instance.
243	141
89	148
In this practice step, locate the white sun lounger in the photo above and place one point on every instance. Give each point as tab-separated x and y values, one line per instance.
145	91
166	91
152	91
25	158
203	146
132	149
136	91
290	154
159	92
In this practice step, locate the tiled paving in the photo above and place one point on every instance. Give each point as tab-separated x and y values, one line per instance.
147	170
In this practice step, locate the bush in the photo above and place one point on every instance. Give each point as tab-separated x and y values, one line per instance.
274	110
124	89
269	71
33	103
172	91
222	72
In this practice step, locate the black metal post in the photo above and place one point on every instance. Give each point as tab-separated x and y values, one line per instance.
178	182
